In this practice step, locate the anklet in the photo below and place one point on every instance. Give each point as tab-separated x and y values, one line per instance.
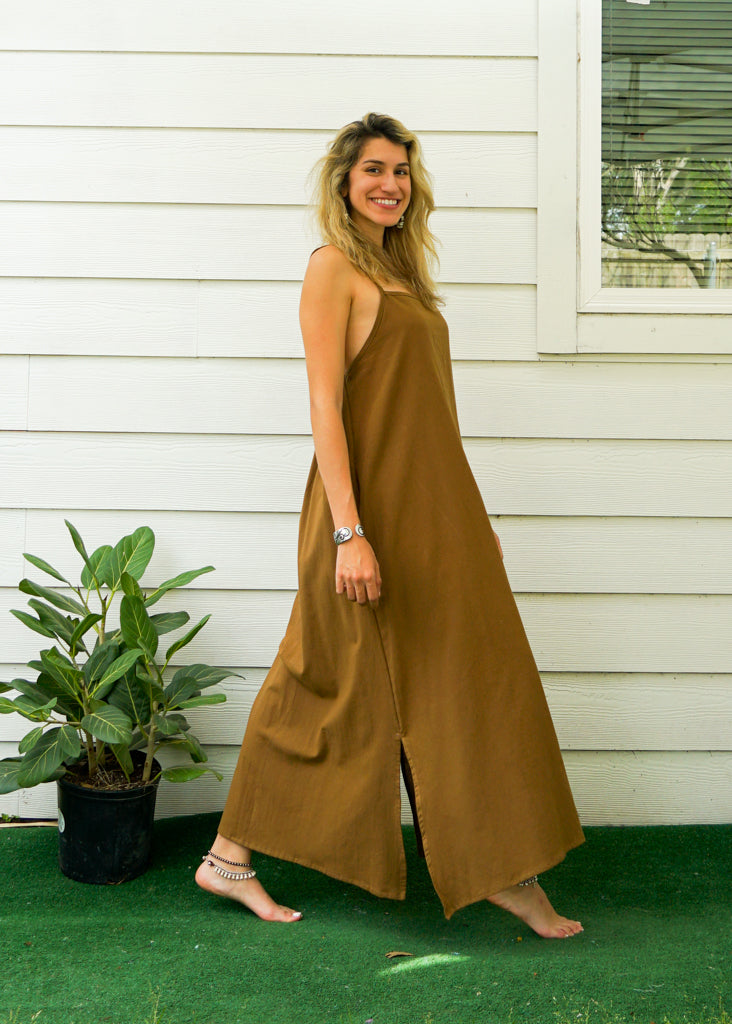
234	876
529	881
234	863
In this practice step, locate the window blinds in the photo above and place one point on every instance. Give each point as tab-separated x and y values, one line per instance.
667	143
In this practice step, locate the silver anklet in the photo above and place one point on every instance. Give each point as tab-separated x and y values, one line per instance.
234	876
529	881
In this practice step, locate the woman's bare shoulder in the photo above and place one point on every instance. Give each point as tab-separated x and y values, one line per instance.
330	262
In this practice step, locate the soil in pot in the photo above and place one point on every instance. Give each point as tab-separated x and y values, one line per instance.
105	834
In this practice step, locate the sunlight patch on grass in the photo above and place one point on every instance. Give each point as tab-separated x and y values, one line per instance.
419	962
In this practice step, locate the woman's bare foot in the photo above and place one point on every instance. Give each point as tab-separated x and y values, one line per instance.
248	891
531	904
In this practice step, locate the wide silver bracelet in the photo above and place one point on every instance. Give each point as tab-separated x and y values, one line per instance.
345	533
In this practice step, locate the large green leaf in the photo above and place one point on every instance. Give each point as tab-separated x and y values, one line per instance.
122	752
130	696
45	567
99	661
10	769
185	639
205	675
137	629
184	773
131	586
83	628
199	702
97	568
177	581
29	689
61	626
152	687
179	689
193	745
166	622
167	725
108	724
32	623
78	542
30	739
54	747
117	669
27	707
132	555
62	671
70	705
67	604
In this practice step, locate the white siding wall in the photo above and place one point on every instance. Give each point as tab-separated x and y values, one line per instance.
153	211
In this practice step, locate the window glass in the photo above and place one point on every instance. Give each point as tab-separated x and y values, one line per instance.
667	144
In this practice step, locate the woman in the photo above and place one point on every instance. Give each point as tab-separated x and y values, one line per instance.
430	671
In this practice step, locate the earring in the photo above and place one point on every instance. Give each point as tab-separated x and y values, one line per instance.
400	222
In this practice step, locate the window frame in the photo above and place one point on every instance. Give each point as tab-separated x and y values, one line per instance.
569	207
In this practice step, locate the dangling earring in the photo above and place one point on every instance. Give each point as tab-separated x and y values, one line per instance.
400	222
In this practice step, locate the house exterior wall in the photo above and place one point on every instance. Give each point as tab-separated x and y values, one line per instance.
153	190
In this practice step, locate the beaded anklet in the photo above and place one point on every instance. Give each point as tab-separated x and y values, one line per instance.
234	876
534	880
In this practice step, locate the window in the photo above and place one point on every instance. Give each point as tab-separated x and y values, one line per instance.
666	180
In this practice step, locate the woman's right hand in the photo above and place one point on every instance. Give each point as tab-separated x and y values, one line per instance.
357	572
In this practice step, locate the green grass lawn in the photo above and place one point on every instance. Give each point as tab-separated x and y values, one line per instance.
655	904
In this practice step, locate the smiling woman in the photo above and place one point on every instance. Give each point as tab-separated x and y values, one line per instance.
433	673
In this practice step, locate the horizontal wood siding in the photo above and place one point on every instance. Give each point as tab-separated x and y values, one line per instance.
155	199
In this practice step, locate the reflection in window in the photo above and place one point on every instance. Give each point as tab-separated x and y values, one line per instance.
667	144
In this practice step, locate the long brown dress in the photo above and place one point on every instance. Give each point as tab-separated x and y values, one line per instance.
442	668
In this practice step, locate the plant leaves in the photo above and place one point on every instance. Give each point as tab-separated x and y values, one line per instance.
184	773
193	745
62	672
117	669
181	688
55	597
32	623
137	629
129	696
122	752
45	567
185	639
108	724
132	555
83	628
175	582
55	746
131	586
10	768
96	571
30	739
166	622
167	725
205	675
61	626
78	542
27	707
199	702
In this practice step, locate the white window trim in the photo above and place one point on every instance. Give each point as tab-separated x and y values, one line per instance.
569	201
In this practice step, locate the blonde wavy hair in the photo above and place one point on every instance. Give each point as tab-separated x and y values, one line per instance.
408	254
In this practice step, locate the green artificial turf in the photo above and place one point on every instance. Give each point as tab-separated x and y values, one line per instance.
655	903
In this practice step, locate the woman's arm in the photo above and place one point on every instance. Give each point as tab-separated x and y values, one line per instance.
324	311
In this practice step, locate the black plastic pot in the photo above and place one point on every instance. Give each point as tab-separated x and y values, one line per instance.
105	836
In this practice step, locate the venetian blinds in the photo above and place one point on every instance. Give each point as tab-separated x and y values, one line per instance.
667	143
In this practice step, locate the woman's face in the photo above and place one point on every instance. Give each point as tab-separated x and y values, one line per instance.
379	187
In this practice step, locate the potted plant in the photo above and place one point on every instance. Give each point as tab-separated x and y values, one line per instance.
105	700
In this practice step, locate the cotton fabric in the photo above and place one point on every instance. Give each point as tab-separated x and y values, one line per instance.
441	668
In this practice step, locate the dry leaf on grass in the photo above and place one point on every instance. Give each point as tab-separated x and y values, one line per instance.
395	953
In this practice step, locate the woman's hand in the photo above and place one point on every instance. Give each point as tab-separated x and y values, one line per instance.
498	543
357	571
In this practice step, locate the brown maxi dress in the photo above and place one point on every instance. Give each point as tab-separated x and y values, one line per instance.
441	669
